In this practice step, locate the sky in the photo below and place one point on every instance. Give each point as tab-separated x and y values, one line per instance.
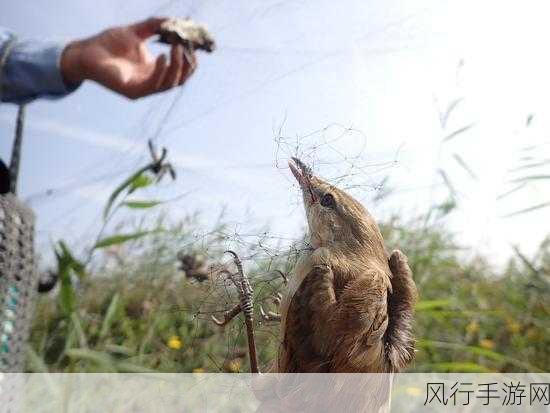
358	87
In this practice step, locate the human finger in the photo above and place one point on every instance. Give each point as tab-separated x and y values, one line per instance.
189	67
154	82
175	68
147	28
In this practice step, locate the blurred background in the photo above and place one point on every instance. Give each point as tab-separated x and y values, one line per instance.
435	115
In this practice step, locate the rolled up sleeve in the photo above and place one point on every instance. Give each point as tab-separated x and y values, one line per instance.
32	70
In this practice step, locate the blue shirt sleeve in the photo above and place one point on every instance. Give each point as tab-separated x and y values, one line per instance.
31	70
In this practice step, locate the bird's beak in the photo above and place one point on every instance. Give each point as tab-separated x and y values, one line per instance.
296	166
303	175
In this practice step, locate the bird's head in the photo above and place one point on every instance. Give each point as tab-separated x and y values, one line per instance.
335	219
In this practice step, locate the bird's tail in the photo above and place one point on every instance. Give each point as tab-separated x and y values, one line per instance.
399	339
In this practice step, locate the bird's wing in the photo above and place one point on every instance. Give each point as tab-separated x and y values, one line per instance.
299	350
399	340
360	322
325	333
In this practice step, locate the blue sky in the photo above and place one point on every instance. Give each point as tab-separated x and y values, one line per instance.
385	69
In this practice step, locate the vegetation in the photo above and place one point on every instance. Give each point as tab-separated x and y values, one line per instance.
143	314
127	307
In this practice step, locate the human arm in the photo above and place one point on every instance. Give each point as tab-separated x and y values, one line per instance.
117	58
30	69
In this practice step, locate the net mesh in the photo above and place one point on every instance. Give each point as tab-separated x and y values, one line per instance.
18	281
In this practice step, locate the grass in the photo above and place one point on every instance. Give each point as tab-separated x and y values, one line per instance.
128	308
142	314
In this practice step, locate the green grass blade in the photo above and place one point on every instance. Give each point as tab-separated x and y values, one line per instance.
452	106
35	362
465	166
82	341
457	367
530	178
133	182
96	357
478	351
126	367
457	132
122	238
447	181
427	305
511	191
531	165
141	204
530	209
111	311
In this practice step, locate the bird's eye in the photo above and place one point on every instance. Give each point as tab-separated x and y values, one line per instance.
328	201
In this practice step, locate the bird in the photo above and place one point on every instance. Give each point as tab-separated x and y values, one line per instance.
349	306
190	34
194	266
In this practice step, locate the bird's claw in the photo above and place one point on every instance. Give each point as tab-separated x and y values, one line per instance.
245	306
227	316
270	315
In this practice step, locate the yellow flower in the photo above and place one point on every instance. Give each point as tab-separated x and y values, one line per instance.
487	344
413	391
175	343
233	366
198	370
513	326
473	327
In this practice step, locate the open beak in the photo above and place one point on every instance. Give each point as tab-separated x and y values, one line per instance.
303	175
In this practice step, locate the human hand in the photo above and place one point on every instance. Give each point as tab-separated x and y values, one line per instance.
119	59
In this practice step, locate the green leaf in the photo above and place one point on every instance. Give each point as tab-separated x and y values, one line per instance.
426	305
531	178
511	191
126	367
122	238
141	204
66	293
111	311
442	314
106	362
140	181
69	260
457	132
530	209
465	166
446	207
458	367
447	181
119	350
452	106
82	342
478	351
103	359
36	363
135	181
66	266
531	165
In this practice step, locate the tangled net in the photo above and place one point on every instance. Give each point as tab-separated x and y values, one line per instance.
340	154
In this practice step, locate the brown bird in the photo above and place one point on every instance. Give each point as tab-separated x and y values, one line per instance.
349	306
194	266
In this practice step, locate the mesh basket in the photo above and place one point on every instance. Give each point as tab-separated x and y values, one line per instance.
18	281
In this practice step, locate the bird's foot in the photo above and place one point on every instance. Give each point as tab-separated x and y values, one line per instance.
240	280
227	316
269	315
